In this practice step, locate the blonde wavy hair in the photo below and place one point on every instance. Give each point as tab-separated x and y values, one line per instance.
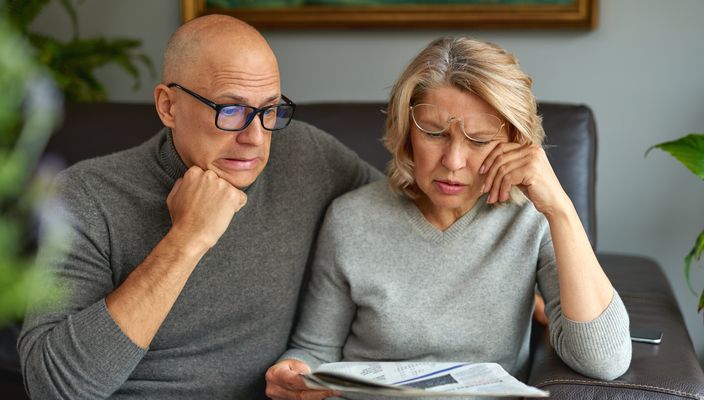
481	68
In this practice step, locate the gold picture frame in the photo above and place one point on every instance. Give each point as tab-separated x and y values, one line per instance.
577	14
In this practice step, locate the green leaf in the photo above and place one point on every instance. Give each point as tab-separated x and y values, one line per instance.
689	150
701	302
129	67
147	63
73	15
22	12
694	254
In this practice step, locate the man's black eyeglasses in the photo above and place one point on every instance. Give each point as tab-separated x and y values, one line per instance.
237	117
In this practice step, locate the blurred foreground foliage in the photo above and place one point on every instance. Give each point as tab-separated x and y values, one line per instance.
29	111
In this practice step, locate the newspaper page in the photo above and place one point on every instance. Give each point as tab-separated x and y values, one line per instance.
420	379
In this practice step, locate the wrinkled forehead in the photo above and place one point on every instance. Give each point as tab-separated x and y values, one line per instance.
455	101
232	68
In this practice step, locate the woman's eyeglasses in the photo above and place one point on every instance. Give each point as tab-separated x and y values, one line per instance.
478	127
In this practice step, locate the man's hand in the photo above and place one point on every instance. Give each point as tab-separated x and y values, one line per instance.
284	382
202	205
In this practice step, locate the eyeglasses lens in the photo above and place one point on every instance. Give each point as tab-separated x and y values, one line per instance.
237	117
232	117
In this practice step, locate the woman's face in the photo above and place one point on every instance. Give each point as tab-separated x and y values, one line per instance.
447	162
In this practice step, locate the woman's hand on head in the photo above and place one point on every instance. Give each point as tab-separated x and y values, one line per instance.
284	382
525	166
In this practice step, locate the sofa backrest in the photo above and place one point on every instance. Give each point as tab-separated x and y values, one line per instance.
93	129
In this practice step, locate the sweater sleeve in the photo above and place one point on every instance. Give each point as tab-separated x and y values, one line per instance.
75	349
600	348
328	308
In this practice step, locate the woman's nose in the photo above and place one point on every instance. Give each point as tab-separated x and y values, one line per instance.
455	155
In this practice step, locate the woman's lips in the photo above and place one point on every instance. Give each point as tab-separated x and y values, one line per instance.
239	164
448	187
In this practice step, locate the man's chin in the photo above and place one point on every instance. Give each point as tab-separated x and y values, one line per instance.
240	180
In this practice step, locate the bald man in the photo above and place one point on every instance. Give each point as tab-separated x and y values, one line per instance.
189	250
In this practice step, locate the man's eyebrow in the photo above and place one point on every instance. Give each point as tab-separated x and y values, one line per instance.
272	98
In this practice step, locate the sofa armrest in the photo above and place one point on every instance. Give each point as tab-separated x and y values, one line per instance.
669	370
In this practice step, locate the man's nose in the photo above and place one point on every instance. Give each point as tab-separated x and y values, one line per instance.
254	134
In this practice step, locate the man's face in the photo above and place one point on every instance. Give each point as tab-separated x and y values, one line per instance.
226	77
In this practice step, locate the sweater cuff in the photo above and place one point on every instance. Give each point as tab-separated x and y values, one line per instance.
107	346
303	356
601	337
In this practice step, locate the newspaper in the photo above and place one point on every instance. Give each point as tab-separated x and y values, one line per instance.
420	379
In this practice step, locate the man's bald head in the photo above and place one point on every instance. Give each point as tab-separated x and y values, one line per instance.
225	61
192	47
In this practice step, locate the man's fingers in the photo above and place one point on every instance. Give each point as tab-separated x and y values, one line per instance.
174	190
240	198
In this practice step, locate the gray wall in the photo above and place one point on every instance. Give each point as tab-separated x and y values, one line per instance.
641	72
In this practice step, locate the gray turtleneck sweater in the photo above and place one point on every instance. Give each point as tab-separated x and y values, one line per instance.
386	285
234	316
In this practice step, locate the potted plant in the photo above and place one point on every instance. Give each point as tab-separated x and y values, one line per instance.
689	150
72	63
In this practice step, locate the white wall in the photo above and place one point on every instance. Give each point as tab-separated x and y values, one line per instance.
640	71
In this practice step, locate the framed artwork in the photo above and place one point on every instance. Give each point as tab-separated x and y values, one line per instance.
352	14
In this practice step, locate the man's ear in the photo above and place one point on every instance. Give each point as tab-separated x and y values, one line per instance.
163	100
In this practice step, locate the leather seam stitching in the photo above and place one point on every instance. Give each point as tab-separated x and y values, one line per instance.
621	384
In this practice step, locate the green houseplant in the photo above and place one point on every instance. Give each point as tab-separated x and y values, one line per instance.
73	63
689	150
29	110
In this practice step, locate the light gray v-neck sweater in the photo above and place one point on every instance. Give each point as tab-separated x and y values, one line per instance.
387	285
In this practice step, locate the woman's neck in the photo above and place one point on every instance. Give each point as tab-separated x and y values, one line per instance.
442	217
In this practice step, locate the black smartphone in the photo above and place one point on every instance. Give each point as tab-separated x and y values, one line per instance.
645	335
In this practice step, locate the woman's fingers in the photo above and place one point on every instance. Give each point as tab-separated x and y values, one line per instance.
287	374
496	164
527	168
498	152
509	174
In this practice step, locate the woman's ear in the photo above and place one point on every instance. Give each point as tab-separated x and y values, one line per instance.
163	100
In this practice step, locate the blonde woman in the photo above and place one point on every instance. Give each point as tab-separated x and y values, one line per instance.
440	261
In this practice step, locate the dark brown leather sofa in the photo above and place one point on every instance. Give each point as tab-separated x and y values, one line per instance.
666	371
